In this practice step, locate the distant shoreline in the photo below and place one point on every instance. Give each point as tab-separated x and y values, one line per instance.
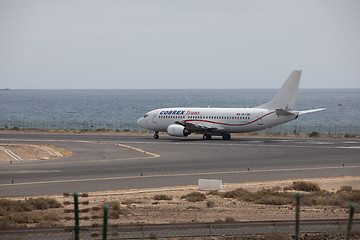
128	132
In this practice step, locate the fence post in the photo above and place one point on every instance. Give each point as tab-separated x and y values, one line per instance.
297	216
106	208
76	211
143	232
351	216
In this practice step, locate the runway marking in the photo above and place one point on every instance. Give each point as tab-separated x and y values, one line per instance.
11	154
351	147
126	146
151	155
174	175
28	171
139	150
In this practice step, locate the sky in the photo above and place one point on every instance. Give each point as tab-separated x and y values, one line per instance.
187	44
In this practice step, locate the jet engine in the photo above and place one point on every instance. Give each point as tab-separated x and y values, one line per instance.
177	130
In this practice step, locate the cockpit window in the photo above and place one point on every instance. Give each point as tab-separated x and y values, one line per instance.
146	115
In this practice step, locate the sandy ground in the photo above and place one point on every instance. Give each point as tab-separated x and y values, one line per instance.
30	152
139	206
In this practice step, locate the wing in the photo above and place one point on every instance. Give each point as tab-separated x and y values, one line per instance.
199	127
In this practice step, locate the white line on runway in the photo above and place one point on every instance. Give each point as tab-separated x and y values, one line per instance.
11	154
351	147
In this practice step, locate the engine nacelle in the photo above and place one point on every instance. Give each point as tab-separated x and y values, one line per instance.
177	130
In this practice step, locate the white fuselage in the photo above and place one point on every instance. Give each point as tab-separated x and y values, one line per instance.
227	120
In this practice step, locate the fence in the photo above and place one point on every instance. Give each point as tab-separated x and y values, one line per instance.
186	230
69	125
191	230
288	128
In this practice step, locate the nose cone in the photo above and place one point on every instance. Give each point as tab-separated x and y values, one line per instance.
141	122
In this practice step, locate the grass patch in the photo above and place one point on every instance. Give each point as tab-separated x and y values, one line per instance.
194	197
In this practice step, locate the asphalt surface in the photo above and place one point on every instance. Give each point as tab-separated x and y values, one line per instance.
102	162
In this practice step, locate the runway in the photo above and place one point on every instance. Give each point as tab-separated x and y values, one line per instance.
103	162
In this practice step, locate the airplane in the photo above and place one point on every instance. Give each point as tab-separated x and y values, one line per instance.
183	121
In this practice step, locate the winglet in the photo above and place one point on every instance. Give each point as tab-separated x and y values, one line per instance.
286	96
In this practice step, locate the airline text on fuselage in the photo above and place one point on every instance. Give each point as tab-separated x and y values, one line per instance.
179	112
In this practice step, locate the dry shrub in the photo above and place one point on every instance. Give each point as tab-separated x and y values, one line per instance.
114	215
346	188
163	197
128	201
7	205
194	197
114	205
27	205
265	196
210	204
239	193
314	134
43	203
305	186
25	217
230	219
115	210
325	198
272	197
214	192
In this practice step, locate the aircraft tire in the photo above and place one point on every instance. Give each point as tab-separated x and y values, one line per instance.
156	136
226	136
207	136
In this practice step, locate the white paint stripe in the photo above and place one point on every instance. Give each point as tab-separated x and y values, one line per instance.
353	147
50	151
11	154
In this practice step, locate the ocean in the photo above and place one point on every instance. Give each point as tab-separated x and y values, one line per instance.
120	109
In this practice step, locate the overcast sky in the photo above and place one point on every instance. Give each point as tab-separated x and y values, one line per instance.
178	44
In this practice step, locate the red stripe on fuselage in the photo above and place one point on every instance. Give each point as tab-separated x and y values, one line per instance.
227	124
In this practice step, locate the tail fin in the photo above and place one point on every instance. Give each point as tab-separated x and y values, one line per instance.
286	96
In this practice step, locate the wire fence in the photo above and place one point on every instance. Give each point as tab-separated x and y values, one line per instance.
288	229
288	128
331	228
333	129
70	125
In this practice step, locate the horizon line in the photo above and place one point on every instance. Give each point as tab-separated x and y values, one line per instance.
9	89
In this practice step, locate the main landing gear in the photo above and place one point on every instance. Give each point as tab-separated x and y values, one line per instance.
156	135
207	136
226	136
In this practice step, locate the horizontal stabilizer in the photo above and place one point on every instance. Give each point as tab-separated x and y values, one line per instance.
310	111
